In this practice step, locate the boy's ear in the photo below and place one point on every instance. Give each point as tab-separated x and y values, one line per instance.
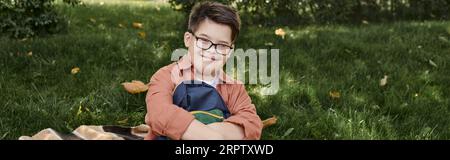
187	39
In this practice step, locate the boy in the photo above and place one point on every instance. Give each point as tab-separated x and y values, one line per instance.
212	31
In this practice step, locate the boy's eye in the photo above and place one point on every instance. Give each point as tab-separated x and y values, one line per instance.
222	47
204	42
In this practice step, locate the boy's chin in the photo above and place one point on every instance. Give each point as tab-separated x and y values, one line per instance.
208	69
209	64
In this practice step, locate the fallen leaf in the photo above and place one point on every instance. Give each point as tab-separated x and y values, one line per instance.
75	70
138	25
348	51
443	39
288	132
270	121
79	110
432	63
335	94
268	44
135	87
142	35
92	20
280	32
365	22
383	81
124	121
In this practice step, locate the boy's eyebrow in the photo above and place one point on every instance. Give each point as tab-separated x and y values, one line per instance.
220	41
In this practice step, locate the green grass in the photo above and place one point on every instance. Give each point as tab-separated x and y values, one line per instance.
39	91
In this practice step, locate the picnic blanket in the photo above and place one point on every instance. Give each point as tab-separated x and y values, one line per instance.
93	132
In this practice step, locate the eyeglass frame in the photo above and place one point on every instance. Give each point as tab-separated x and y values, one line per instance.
212	44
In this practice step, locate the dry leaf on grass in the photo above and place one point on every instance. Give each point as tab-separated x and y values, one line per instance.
365	22
124	121
142	35
135	87
335	94
92	20
383	81
138	25
443	39
432	63
270	121
280	32
75	70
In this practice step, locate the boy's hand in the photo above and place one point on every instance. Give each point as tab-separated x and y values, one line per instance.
199	131
228	130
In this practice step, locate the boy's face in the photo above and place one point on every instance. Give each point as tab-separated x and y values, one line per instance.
209	62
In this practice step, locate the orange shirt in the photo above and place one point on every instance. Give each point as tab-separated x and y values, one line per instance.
165	118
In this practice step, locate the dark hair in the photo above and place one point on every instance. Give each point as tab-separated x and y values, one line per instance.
216	12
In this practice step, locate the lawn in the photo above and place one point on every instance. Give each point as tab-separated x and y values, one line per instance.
38	91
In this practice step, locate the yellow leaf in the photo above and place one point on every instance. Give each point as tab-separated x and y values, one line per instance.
280	32
75	70
142	35
270	121
335	94
383	81
135	87
79	110
124	121
138	25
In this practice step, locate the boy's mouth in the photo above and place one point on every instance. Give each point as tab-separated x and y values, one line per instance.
208	58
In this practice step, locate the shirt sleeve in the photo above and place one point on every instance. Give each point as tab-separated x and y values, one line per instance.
243	113
163	116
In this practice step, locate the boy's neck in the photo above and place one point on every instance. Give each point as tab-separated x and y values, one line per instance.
204	76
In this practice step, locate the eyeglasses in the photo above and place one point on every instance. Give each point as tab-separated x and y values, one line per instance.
206	44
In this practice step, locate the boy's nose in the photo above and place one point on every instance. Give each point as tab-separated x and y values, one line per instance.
211	50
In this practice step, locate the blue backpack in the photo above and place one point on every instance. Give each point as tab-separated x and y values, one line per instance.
200	99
